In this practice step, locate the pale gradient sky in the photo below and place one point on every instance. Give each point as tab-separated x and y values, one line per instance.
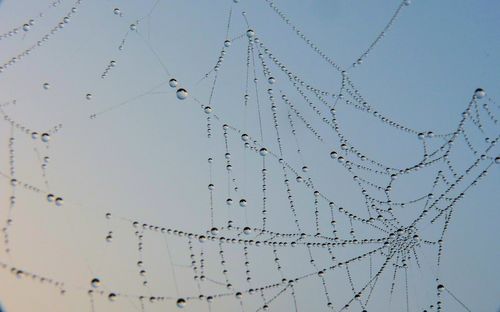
147	160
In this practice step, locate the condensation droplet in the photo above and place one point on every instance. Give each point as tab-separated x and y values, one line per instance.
182	94
181	303
95	283
59	201
480	93
45	137
173	82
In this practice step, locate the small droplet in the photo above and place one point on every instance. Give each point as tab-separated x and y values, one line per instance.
26	27
207	109
88	96
243	202
181	303
263	151
112	297
45	137
227	43
117	11
214	231
50	198
480	93
46	86
95	283
182	94
59	201
133	27
247	230
173	82
271	80
250	33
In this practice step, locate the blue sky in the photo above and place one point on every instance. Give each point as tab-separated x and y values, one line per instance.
146	160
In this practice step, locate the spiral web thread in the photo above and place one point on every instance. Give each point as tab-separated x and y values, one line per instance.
381	241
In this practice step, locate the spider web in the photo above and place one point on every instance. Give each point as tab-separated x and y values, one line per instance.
296	213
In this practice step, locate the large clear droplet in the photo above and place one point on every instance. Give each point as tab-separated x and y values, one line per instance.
181	303
173	82
480	93
182	94
45	137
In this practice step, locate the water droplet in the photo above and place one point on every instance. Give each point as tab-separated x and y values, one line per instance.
173	82
497	160
117	11
133	27
227	43
50	198
34	135
181	303
480	93
250	33
45	137
247	230
112	297
214	231
263	151
271	80
95	283
182	94
46	86
26	27
88	96
245	137
211	187
59	201
207	109
243	202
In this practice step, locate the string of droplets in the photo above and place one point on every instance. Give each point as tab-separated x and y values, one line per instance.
397	241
